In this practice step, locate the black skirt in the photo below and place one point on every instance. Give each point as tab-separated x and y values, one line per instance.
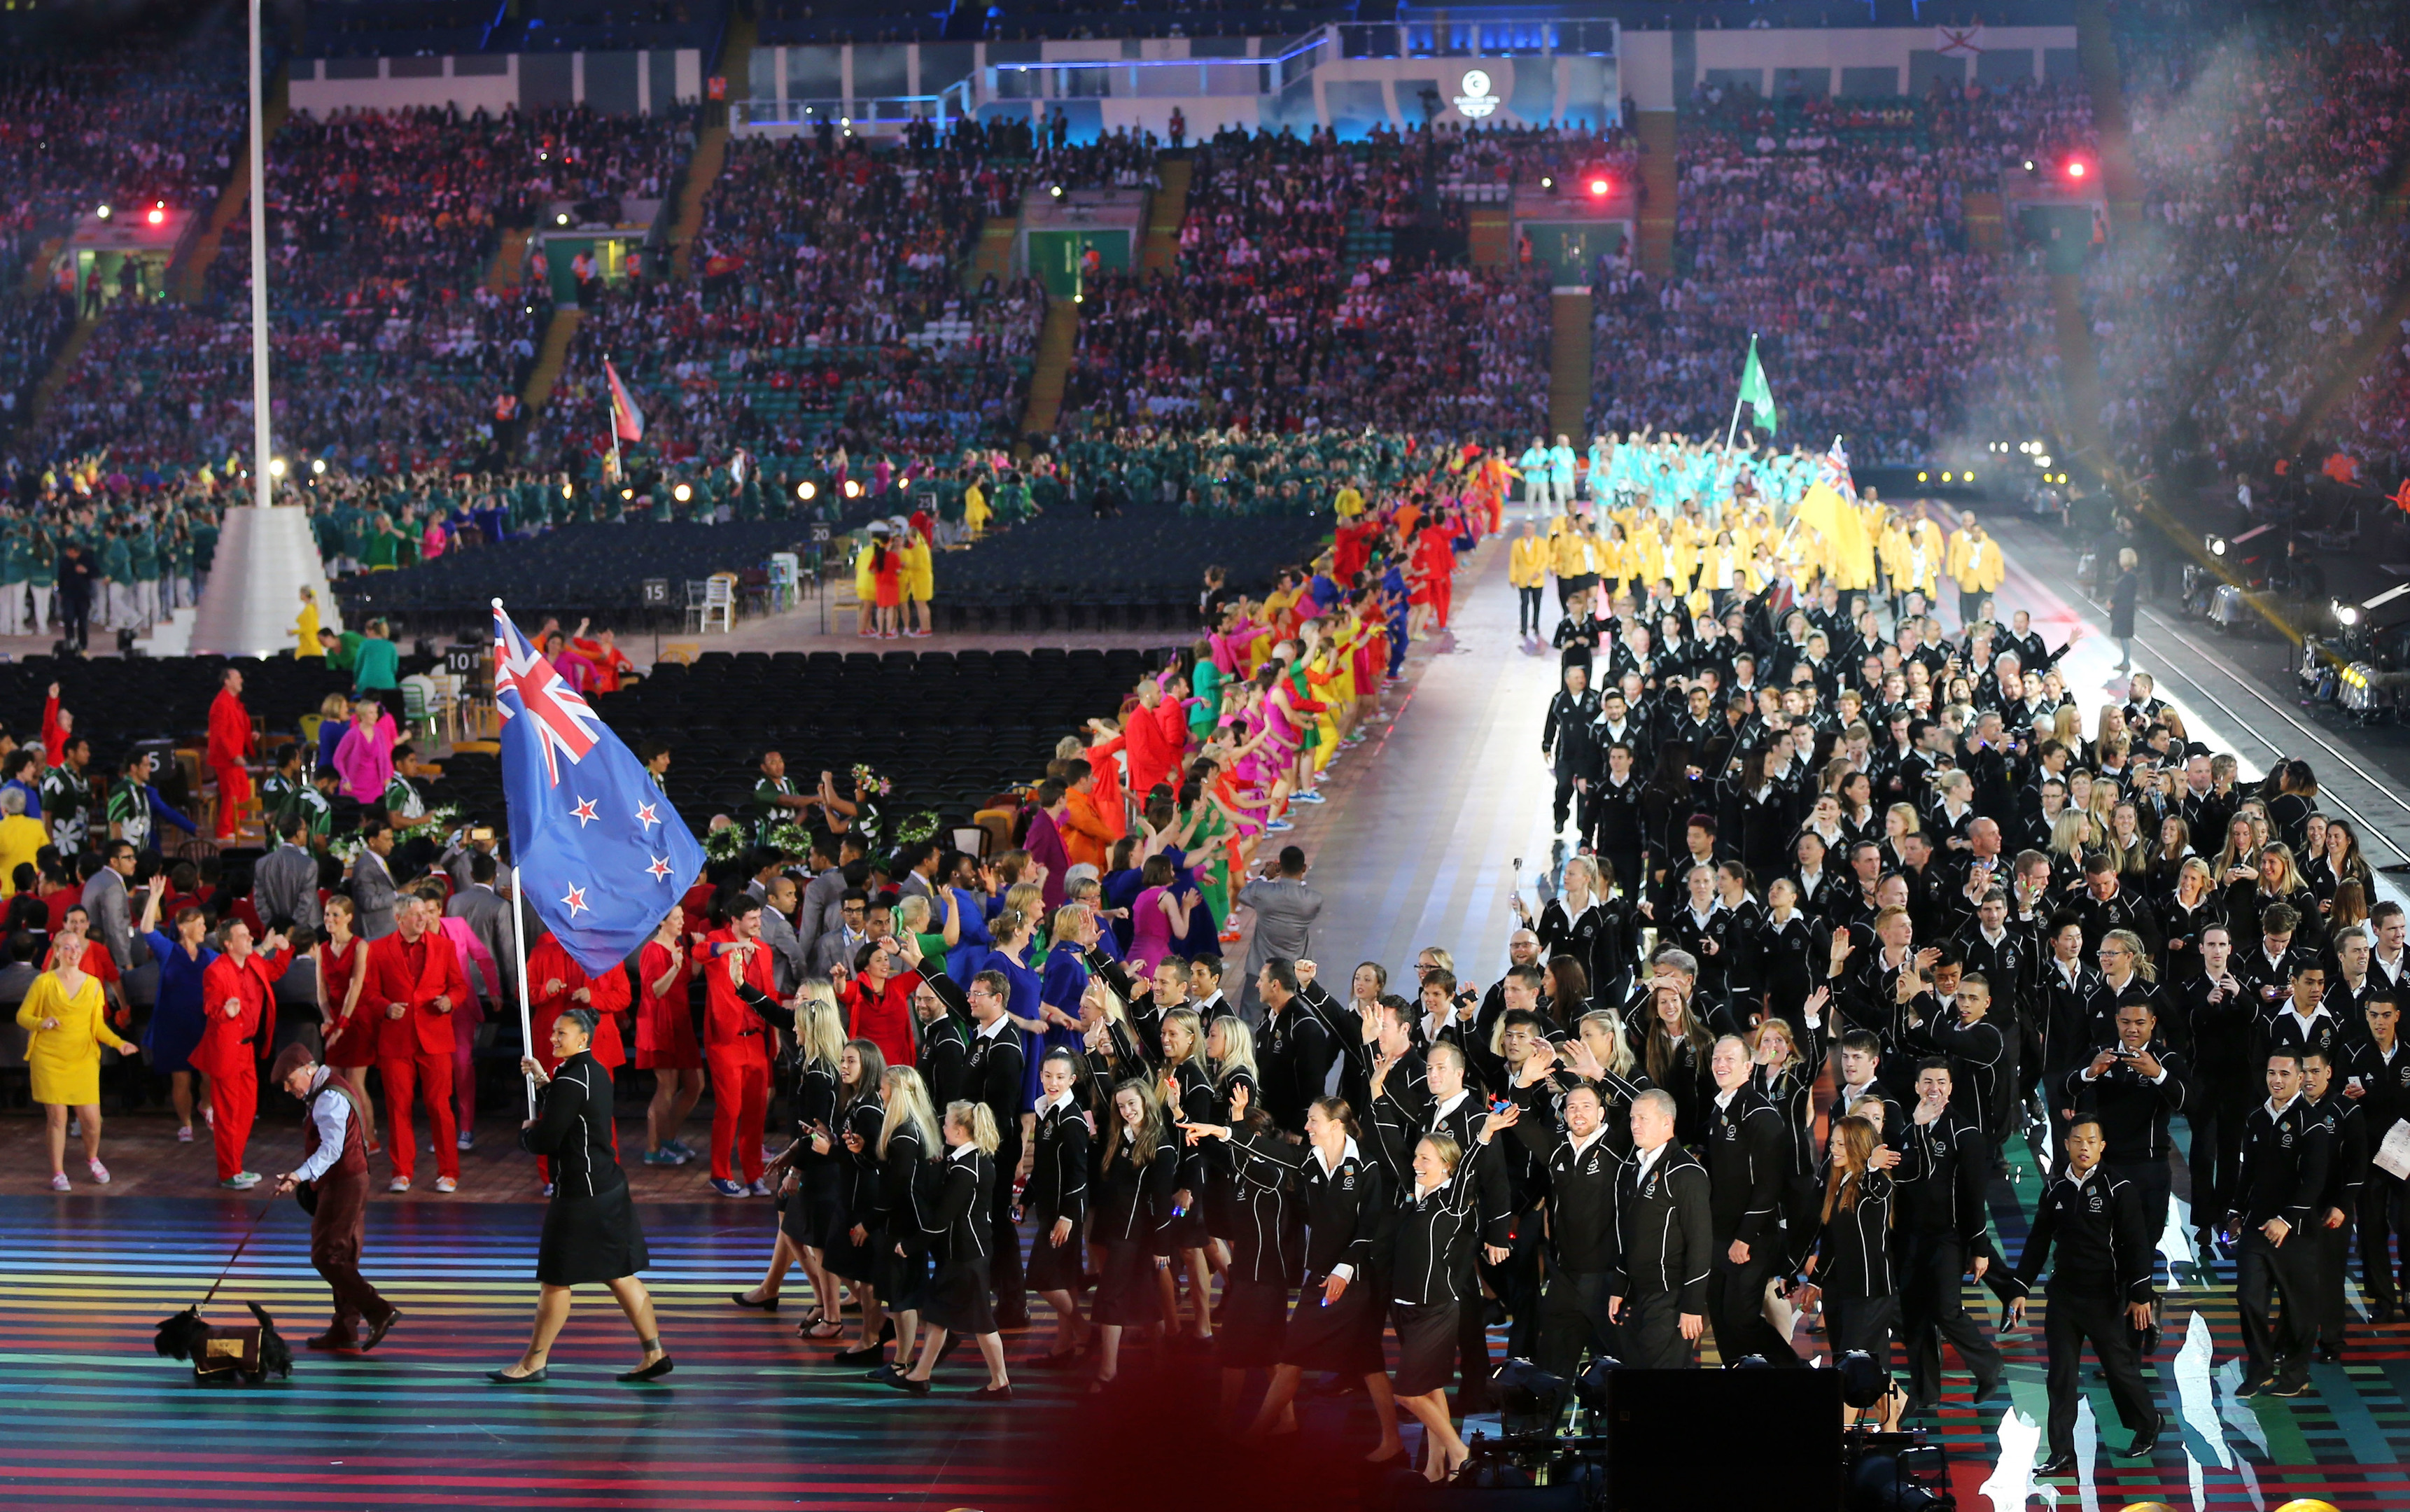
1426	1345
1344	1337
903	1280
813	1212
591	1239
852	1261
1186	1231
1125	1293
958	1299
1251	1326
1054	1267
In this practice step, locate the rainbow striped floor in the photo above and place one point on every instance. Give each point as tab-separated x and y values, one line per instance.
755	1419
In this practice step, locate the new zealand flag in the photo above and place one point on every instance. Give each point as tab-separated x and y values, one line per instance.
601	856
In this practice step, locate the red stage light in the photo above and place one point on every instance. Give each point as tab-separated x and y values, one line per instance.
1598	185
2077	168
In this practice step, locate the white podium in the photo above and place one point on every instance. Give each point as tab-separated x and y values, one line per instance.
263	557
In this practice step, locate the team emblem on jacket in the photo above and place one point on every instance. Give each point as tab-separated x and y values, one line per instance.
2092	1201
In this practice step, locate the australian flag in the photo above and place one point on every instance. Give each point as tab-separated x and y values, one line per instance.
601	855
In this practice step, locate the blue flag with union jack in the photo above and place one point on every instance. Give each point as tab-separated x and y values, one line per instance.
601	856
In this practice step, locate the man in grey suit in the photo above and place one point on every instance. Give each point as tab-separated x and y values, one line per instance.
1285	909
786	954
373	889
840	946
488	915
105	902
285	884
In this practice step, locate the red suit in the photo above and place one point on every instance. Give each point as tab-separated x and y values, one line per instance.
736	1044
234	1044
415	1051
229	745
607	994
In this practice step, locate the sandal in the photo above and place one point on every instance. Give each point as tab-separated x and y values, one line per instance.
812	1329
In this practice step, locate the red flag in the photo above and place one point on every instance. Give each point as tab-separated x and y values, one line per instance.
627	421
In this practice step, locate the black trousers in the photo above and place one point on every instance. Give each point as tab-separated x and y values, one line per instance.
1574	1322
74	617
1564	806
1970	606
2216	1112
1933	1307
2077	1314
2154	1184
1517	1282
2333	1249
2266	1276
1653	1333
2382	1230
1527	618
1736	1308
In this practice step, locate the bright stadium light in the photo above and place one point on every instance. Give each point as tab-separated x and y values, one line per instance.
2045	461
1599	186
852	489
627	493
158	216
1547	182
681	493
1920	478
276	466
318	467
1055	190
2077	168
804	490
561	218
2346	615
568	491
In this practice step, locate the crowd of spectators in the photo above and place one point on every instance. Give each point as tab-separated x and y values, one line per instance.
2265	152
152	115
1838	233
1291	306
828	304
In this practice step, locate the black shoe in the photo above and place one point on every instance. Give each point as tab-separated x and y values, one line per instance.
902	1382
991	1394
2383	1312
331	1344
2293	1389
2251	1389
2061	1463
2327	1354
504	1378
2148	1439
868	1355
377	1331
886	1375
767	1304
653	1372
1986	1385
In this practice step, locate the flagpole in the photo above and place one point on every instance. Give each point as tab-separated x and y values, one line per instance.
1732	429
519	941
611	403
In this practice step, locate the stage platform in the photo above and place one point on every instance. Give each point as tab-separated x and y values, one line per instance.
1417	846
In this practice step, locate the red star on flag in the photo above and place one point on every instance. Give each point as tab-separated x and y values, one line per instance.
584	813
645	816
659	869
575	901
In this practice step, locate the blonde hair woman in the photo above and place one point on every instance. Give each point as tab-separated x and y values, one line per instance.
907	1139
958	1293
64	1030
811	1192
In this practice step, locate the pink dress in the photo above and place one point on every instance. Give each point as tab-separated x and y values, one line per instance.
1150	931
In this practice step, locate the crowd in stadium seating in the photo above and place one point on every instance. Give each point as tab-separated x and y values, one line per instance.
1288	309
2266	249
1837	234
832	301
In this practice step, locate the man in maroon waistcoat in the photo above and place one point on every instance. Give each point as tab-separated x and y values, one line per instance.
337	1169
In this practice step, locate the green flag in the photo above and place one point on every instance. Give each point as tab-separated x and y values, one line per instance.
1755	392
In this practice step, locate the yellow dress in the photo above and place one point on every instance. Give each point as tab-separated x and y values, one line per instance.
920	572
974	511
306	628
66	1061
